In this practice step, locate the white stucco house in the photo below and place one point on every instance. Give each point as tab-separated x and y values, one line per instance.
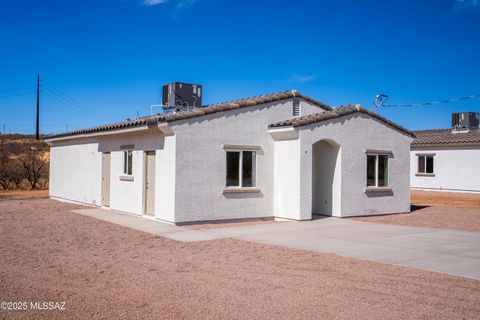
281	155
446	160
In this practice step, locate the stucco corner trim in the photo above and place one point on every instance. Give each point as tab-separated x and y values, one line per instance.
241	190
126	178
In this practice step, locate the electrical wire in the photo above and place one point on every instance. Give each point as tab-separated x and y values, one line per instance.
64	101
431	102
75	101
17	95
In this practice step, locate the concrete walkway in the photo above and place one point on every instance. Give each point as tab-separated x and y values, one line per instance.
446	251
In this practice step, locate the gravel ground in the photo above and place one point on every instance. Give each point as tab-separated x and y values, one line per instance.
442	210
105	271
446	199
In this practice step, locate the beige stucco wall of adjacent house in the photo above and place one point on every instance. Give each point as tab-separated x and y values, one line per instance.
456	168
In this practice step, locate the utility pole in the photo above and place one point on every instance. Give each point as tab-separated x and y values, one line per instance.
37	130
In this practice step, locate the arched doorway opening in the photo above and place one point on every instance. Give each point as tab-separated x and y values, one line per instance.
326	178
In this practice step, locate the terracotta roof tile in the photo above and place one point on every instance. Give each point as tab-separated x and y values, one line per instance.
209	109
446	137
335	113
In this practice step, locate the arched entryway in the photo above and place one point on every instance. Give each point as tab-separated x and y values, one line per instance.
326	178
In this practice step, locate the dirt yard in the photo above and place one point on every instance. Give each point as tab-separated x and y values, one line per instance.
4	194
105	271
446	199
443	210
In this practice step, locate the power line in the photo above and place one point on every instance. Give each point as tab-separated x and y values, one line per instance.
429	103
64	101
78	103
4	90
17	95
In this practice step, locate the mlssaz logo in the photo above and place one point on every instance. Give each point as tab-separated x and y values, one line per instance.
47	305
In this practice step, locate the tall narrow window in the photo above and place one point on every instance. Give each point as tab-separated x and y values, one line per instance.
127	162
241	169
425	163
377	170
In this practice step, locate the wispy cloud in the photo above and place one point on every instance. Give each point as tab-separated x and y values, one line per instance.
183	4
304	77
467	4
178	4
153	2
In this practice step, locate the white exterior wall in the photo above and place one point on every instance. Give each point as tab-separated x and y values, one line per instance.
201	162
127	196
456	168
355	133
286	202
165	179
75	172
80	161
191	166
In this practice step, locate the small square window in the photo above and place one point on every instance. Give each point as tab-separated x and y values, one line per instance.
241	169
425	164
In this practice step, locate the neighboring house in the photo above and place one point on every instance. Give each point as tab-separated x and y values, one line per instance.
447	159
280	155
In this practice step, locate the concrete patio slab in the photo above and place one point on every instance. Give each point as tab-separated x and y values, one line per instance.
446	251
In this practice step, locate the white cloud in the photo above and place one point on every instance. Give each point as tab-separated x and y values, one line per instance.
153	2
467	4
304	77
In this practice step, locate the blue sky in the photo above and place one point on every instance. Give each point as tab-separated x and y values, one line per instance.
104	60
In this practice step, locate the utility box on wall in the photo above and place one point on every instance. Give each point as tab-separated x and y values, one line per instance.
179	94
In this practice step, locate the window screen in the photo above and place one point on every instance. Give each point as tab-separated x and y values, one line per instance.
421	164
233	169
371	163
429	161
382	170
248	169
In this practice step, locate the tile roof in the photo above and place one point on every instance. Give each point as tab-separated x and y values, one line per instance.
336	113
446	137
208	109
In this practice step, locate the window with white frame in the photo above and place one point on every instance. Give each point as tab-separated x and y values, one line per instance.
377	170
425	163
241	169
127	162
